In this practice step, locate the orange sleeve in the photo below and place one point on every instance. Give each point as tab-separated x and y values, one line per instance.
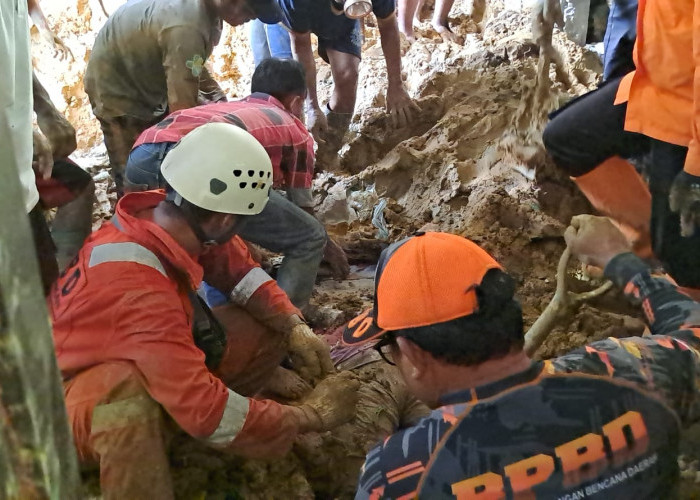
268	432
692	162
225	266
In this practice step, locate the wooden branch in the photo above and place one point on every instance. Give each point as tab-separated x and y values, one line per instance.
561	308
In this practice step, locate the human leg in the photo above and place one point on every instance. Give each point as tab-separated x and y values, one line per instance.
285	228
253	352
258	41
406	13
278	41
143	166
440	24
117	424
587	140
120	133
680	255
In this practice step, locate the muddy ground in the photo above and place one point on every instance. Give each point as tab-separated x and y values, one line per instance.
472	164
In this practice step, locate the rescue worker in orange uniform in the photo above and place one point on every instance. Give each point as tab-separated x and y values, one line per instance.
124	312
656	109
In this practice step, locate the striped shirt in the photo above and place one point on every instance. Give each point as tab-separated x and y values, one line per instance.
283	135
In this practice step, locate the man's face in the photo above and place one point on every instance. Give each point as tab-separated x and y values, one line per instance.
415	375
235	12
220	228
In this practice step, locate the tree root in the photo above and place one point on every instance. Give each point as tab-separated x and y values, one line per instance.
562	307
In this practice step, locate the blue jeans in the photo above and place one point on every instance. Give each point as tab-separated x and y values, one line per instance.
269	40
284	228
143	166
620	36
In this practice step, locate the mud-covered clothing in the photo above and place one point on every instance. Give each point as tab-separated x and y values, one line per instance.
125	299
663	94
283	135
602	418
150	54
336	32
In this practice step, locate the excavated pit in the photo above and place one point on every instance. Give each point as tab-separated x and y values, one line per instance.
472	164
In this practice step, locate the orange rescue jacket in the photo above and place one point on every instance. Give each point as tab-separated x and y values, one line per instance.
663	94
106	307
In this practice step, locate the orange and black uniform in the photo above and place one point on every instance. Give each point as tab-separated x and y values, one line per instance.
602	419
654	111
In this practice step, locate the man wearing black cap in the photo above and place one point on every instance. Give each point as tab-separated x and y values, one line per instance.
603	419
148	61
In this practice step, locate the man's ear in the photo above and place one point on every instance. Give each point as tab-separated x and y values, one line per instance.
418	359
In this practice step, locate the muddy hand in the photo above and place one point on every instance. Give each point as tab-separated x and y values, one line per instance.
595	240
685	200
448	35
58	131
333	401
61	50
310	354
42	163
546	14
317	124
401	107
335	256
286	384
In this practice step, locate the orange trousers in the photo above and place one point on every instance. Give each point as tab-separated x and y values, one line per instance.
118	426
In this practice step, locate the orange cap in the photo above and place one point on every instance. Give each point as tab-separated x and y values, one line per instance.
422	280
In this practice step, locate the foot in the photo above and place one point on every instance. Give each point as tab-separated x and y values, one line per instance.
447	34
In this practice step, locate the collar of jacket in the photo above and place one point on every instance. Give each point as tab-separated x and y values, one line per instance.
141	229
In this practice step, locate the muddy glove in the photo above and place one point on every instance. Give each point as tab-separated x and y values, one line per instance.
332	402
42	162
685	200
316	123
310	354
335	256
545	14
595	240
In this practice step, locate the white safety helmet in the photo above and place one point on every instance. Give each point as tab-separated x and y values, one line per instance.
220	167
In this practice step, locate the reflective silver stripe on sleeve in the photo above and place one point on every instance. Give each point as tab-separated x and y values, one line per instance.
125	252
245	288
232	420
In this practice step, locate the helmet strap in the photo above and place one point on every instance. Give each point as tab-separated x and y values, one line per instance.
174	198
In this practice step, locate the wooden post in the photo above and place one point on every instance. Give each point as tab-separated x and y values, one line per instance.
37	456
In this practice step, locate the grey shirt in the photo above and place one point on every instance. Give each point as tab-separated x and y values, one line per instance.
148	53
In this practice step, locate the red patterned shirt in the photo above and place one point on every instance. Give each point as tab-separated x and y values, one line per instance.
283	135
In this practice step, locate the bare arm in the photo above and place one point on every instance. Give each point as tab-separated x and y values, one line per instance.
301	46
53	124
398	102
315	119
209	88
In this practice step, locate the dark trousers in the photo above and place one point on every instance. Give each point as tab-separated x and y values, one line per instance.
590	130
120	133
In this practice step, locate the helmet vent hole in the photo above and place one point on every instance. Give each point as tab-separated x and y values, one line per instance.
254	185
268	175
251	205
217	186
251	173
262	186
237	173
262	173
243	185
